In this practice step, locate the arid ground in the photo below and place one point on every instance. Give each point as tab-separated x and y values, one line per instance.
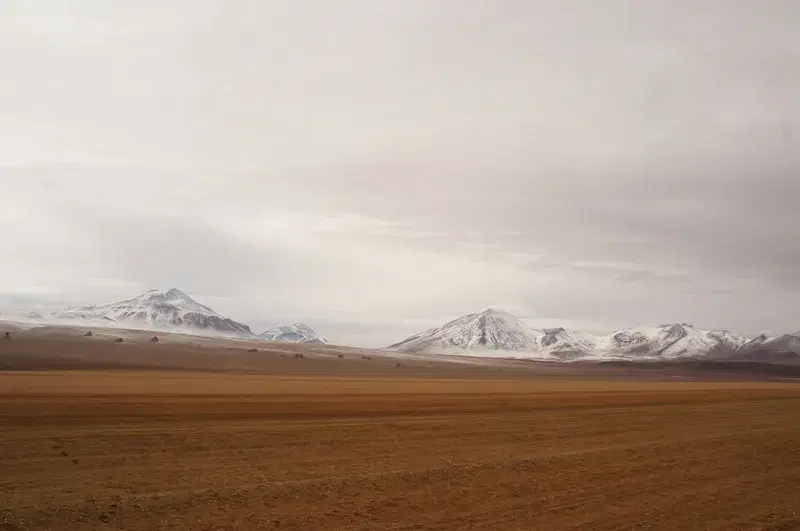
142	436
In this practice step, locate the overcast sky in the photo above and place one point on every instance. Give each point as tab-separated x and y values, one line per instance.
378	167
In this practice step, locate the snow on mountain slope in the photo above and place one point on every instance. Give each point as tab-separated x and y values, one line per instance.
296	333
757	342
155	309
781	349
490	329
666	341
560	343
493	332
784	343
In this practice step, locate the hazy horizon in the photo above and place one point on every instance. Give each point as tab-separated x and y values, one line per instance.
377	169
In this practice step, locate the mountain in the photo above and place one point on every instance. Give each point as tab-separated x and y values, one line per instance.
490	329
782	349
666	341
495	330
296	333
155	309
784	343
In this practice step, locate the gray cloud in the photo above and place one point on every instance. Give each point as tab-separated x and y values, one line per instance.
386	167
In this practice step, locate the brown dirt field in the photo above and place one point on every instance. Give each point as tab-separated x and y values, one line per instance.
139	450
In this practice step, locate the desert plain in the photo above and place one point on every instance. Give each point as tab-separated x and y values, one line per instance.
198	433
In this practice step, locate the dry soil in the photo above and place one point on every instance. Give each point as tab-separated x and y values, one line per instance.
178	450
202	434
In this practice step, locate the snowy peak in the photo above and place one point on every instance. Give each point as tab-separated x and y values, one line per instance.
727	339
156	309
675	332
491	329
667	341
173	299
295	333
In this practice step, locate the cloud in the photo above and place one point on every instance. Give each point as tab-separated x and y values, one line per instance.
390	166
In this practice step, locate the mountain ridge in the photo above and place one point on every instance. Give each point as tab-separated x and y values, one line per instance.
468	335
490	332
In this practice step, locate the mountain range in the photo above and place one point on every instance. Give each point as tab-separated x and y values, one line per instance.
494	332
174	309
491	332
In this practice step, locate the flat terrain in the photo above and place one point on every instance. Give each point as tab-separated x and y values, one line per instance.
141	450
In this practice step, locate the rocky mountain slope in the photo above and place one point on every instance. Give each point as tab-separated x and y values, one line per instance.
781	349
159	309
564	344
295	333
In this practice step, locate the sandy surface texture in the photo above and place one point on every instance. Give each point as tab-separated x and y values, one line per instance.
178	450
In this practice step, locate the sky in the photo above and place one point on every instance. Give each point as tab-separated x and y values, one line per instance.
378	168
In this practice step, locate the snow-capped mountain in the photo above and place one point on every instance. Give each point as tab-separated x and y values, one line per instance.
295	333
666	341
784	343
490	329
781	349
498	331
156	309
